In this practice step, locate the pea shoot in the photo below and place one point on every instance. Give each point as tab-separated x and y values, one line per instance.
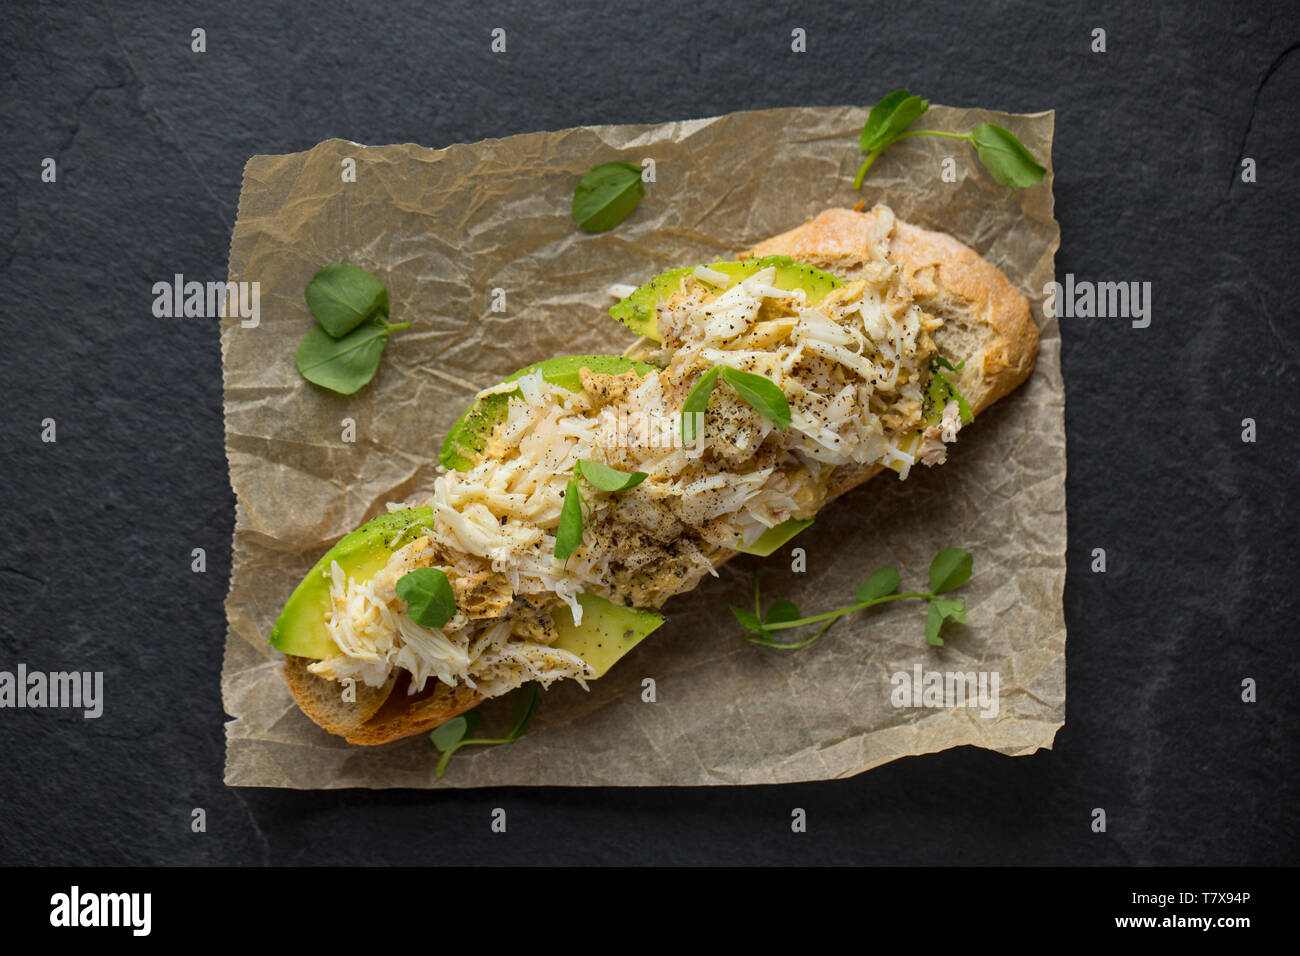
1004	156
455	733
569	533
950	569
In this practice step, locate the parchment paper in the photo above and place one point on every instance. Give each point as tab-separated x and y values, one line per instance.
444	228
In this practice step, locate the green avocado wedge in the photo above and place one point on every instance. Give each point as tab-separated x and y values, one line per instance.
300	629
469	436
608	631
639	311
771	539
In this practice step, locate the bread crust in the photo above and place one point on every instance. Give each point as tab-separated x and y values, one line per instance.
379	715
946	276
986	322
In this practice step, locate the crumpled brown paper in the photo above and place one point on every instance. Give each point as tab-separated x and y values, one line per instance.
445	228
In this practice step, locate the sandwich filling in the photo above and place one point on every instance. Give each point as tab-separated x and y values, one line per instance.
854	368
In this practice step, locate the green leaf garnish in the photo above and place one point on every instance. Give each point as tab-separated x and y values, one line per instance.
449	735
949	570
1004	156
782	612
343	365
757	391
951	609
342	352
894	113
342	296
606	196
881	582
525	707
697	400
454	734
761	394
569	534
940	611
429	598
933	621
606	478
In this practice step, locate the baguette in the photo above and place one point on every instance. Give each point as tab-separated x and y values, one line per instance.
986	323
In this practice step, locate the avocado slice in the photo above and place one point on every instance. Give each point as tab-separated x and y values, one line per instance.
469	436
608	631
639	311
300	628
935	400
771	539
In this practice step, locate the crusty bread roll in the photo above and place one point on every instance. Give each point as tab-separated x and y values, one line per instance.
986	323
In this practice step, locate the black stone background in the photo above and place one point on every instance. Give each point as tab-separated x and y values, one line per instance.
1200	529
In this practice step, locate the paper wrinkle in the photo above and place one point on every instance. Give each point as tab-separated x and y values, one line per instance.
443	228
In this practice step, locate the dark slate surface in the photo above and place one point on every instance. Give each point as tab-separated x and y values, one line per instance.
1199	528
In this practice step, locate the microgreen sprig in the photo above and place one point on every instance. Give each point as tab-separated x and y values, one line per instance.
606	196
342	351
1004	156
454	734
758	392
950	569
569	533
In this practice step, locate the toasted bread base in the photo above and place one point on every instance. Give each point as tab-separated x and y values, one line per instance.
987	324
378	715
